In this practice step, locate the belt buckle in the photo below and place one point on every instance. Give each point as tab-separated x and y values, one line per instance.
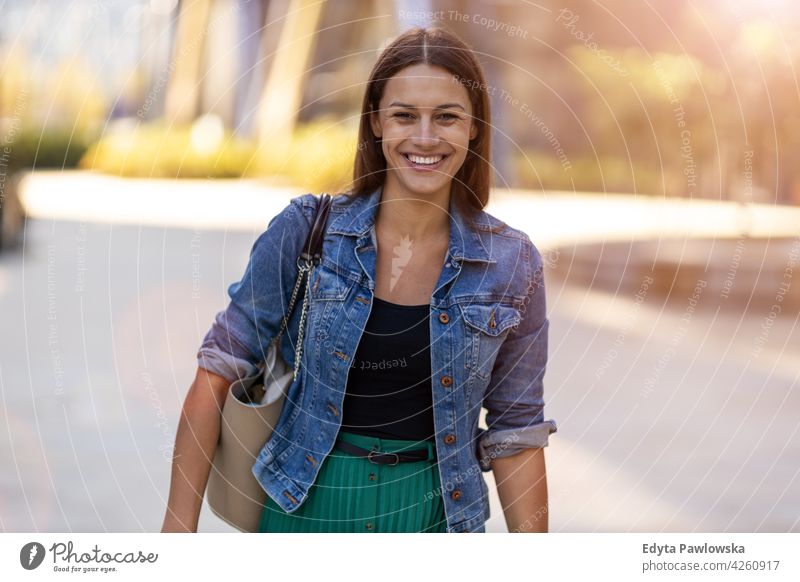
374	452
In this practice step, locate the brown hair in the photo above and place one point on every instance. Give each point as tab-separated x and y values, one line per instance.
433	46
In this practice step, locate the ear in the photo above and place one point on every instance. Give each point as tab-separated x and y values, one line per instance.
375	123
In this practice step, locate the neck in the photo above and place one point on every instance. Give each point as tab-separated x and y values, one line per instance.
419	217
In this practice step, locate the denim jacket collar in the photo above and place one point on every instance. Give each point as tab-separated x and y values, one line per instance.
359	217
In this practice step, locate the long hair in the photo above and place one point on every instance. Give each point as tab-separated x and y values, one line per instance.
433	46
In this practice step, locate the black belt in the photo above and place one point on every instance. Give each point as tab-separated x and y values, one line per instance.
381	457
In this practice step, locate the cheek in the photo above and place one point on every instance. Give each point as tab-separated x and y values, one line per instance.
459	139
460	154
392	138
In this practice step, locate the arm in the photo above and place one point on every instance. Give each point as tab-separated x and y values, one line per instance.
513	445
522	487
232	348
195	443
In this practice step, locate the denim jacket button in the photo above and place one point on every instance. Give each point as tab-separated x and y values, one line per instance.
456	494
446	380
450	439
444	318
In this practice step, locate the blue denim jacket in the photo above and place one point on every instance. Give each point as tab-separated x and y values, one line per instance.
488	331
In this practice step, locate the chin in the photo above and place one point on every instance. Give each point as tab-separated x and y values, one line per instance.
429	187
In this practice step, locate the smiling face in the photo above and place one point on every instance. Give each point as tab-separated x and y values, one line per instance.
424	120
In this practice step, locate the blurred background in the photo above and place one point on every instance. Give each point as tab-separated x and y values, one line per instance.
650	150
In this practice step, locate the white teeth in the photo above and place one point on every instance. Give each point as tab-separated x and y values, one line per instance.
425	161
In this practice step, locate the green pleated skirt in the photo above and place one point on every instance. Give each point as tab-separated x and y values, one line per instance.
351	494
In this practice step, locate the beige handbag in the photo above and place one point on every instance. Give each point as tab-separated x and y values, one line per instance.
252	408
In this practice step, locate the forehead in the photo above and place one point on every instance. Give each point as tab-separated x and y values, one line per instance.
424	86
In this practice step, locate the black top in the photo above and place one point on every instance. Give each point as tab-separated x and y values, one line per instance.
389	384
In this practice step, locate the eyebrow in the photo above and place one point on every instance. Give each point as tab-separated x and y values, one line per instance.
444	106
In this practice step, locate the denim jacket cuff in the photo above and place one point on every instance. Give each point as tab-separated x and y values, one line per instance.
494	444
224	364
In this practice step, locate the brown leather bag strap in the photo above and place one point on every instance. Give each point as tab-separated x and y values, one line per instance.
310	255
313	248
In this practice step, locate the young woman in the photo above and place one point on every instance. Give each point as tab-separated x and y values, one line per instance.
424	310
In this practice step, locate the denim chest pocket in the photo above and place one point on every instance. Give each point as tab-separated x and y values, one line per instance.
328	285
328	291
487	326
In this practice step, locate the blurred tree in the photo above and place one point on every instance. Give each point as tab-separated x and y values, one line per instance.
252	57
281	98
15	65
220	77
182	102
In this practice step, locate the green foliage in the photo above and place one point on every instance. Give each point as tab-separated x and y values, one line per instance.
319	158
48	147
157	150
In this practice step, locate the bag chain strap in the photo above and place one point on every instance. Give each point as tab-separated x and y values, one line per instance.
304	268
298	352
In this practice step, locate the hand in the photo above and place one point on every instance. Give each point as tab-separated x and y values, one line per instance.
175	525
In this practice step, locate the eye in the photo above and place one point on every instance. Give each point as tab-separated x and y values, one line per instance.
448	116
403	115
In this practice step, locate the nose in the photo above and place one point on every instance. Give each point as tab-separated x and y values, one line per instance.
426	135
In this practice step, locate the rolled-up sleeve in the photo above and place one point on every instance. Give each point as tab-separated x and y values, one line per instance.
221	353
514	398
240	334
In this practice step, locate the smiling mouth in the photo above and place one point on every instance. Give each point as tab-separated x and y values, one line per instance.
425	161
